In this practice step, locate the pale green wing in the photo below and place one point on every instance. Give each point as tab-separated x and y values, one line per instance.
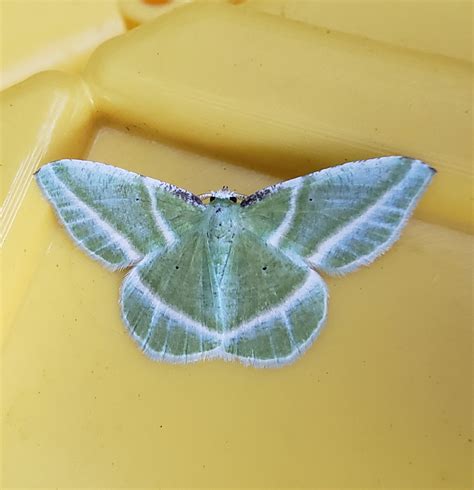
114	215
245	301
339	218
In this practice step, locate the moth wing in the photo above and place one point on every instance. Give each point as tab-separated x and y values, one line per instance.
251	303
117	216
342	217
169	306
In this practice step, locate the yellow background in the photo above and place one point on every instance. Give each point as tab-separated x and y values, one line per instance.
243	94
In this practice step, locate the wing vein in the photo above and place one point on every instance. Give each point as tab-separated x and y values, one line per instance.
168	310
276	237
131	253
290	302
318	255
160	222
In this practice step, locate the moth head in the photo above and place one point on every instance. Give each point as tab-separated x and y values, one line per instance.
224	194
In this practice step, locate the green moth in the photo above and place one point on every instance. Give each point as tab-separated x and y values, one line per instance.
226	275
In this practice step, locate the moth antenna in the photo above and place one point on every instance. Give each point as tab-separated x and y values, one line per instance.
206	195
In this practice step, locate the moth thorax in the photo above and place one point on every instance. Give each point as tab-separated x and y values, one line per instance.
222	221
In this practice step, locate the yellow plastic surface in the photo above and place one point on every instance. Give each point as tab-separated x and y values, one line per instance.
383	398
42	119
430	26
52	34
136	12
436	27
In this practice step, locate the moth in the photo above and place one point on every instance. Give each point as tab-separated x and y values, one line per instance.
223	275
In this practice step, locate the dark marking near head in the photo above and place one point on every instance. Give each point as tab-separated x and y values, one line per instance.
184	195
258	196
